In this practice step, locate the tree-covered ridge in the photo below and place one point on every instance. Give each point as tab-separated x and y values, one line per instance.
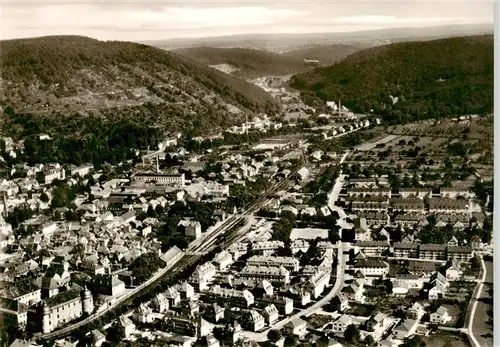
429	79
249	62
325	54
78	73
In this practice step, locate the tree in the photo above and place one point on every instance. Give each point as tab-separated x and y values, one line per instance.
313	250
333	235
71	215
19	215
274	335
352	334
160	210
282	228
305	260
290	341
415	341
79	250
152	212
369	340
397	234
44	197
284	251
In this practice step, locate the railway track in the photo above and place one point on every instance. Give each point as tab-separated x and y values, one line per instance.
190	255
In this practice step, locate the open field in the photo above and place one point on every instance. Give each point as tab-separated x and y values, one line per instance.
370	145
400	143
446	339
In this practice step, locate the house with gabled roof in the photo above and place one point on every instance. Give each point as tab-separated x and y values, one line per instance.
297	327
441	316
452	242
232	297
453	193
405	329
453	272
203	274
341	324
126	327
160	303
476	243
408	281
375	219
192	229
173	296
98	338
144	314
439	287
354	292
477	219
409	219
185	289
447	205
407	205
378	323
223	260
283	304
415	312
340	302
264	288
270	313
257	322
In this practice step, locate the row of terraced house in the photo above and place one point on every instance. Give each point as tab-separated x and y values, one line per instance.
431	251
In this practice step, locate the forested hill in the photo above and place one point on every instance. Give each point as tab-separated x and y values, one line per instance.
65	76
325	54
429	79
248	63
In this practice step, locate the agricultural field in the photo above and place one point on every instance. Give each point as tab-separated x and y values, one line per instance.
446	339
427	128
376	144
482	328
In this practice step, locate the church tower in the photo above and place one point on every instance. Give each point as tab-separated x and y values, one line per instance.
46	312
87	301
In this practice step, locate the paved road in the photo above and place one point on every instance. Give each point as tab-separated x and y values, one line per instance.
333	196
471	315
159	274
207	243
339	279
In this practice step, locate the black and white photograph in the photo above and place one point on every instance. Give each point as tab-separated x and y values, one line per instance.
252	174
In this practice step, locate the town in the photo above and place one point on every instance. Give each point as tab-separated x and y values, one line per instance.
320	228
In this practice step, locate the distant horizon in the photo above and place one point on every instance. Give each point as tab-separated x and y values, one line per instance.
180	38
325	32
167	20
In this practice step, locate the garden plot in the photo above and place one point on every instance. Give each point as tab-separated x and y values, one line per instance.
308	233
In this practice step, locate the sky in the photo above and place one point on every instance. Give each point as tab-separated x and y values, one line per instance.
162	19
